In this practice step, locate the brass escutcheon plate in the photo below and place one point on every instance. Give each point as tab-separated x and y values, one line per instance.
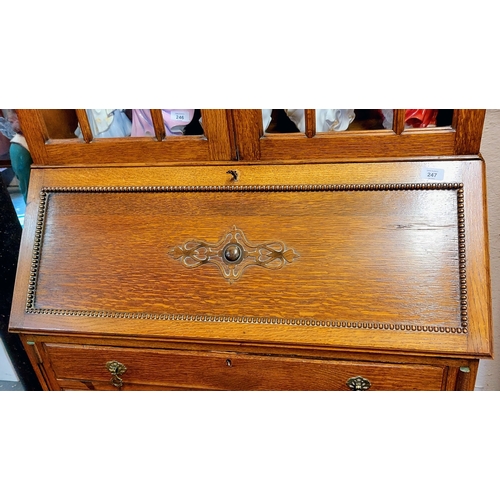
233	254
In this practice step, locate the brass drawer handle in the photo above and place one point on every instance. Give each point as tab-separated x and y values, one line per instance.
116	369
358	384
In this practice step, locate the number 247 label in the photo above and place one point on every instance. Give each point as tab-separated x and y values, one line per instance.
432	174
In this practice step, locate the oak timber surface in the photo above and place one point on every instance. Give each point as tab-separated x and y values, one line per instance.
110	252
231	371
383	262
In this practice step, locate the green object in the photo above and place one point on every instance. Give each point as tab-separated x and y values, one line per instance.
21	161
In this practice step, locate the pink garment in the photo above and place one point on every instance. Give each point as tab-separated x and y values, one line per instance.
414	118
175	120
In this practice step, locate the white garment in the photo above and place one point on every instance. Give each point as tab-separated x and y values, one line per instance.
20	139
266	118
388	117
327	120
107	123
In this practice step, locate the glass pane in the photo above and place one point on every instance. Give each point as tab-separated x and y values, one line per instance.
427	118
276	121
60	123
420	118
372	119
176	122
9	127
444	118
111	123
195	127
334	120
105	123
327	120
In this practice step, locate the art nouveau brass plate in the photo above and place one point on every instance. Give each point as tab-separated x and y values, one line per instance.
232	254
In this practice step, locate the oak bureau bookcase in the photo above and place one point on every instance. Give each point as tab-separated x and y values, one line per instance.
248	254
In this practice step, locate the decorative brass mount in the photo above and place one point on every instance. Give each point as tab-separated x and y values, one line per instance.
232	254
358	384
116	369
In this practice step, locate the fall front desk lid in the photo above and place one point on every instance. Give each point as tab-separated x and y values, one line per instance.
337	264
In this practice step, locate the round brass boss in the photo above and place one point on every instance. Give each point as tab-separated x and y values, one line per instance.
232	253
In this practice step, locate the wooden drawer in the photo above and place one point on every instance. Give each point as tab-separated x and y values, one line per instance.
84	367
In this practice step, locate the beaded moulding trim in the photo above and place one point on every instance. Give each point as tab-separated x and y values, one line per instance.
40	225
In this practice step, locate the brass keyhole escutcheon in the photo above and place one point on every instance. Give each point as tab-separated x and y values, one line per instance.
116	369
234	175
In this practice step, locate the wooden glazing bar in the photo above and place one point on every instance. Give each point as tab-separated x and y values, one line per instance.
218	129
83	120
398	121
35	132
249	130
469	125
310	118
158	124
126	150
351	146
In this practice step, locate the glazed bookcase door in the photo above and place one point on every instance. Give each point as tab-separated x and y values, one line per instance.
53	140
460	136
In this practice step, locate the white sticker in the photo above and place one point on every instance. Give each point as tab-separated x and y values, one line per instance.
432	174
180	116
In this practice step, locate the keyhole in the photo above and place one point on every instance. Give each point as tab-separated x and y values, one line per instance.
235	175
228	362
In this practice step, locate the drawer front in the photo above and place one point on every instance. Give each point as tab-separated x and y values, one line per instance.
158	369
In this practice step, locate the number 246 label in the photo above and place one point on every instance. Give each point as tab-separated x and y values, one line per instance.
180	116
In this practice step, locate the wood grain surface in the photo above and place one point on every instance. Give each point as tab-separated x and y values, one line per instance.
385	232
230	371
383	263
396	262
238	134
